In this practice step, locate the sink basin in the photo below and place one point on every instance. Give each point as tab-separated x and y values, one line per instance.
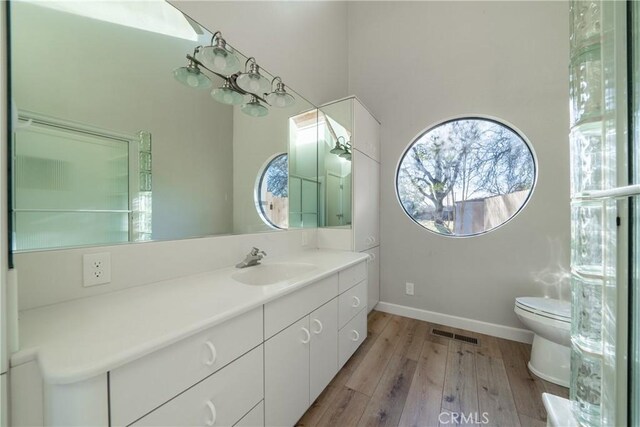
269	274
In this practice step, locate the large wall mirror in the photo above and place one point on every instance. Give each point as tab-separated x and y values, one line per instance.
109	147
335	128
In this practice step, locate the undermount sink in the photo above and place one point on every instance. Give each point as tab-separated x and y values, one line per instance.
268	274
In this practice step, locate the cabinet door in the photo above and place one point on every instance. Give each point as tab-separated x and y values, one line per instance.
366	131
324	347
366	218
286	365
373	265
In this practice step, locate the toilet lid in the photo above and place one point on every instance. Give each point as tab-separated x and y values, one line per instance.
560	310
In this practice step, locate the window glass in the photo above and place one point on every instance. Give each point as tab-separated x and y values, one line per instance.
465	176
272	192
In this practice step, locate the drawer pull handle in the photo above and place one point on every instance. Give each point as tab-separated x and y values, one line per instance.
307	335
356	335
320	327
371	240
356	302
213	353
212	413
372	257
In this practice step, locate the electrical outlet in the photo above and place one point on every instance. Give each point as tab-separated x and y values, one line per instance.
409	288
96	269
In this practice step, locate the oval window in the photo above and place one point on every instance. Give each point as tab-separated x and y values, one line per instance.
465	176
272	198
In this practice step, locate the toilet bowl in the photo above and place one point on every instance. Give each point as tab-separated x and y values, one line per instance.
550	321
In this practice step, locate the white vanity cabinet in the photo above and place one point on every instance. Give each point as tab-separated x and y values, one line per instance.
264	366
301	360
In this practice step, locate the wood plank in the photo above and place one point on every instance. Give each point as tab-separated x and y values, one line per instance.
347	409
527	390
556	389
366	376
377	321
527	421
424	400
354	361
494	394
460	385
412	339
385	406
319	407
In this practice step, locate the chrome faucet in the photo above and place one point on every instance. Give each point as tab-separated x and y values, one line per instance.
252	258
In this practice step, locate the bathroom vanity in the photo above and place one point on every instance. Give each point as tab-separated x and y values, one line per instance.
251	346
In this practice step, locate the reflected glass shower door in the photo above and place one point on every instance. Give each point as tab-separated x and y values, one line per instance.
634	285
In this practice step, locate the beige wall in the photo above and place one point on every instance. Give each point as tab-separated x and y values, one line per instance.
417	63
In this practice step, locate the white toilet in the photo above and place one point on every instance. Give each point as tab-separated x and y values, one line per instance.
550	320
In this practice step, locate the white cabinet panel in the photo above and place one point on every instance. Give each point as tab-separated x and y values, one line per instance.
351	336
255	417
286	366
27	394
4	407
366	131
373	277
282	312
351	276
366	224
84	403
220	400
324	347
142	385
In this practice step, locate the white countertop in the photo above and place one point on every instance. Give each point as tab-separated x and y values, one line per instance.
79	339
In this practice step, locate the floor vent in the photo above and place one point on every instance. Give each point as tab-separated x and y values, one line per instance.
451	335
466	339
441	333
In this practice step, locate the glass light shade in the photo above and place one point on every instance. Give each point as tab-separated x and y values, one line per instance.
337	149
253	108
192	77
226	95
253	83
280	99
220	60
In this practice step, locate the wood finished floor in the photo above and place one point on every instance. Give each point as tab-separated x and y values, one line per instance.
402	375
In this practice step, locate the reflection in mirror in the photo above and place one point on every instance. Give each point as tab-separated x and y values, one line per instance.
334	163
272	198
108	147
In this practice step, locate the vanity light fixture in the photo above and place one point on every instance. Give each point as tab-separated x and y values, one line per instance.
219	59
251	80
254	108
227	95
219	56
339	148
191	75
280	97
347	152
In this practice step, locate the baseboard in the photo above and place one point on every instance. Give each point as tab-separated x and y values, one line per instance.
500	331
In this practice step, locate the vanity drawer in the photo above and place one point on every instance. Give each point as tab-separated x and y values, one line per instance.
351	336
351	302
352	276
284	311
220	400
140	386
254	418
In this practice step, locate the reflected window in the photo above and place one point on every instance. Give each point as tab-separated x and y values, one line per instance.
272	192
465	176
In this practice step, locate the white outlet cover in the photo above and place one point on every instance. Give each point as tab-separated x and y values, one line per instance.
409	288
96	269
